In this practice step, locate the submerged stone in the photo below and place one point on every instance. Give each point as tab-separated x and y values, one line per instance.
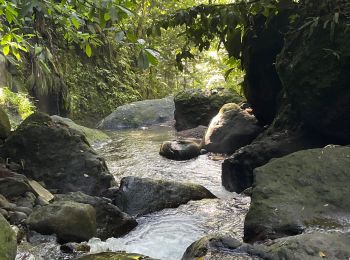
180	150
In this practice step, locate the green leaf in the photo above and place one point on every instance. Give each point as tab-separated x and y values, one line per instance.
152	56
106	17
125	10
88	50
75	22
6	50
142	60
119	36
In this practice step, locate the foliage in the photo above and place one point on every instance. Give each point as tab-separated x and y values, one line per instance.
19	101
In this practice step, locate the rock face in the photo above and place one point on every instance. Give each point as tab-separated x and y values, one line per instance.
316	80
110	221
92	135
303	190
180	150
15	185
70	221
5	127
57	155
8	241
306	246
195	107
139	196
231	129
114	256
140	113
237	171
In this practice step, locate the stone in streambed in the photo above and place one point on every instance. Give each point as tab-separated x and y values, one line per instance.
139	196
70	221
110	220
5	127
180	150
8	242
114	256
230	129
57	155
306	189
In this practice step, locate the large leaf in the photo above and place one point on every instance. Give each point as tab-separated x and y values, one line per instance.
152	56
142	60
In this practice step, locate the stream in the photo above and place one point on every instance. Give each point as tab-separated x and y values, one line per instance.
165	234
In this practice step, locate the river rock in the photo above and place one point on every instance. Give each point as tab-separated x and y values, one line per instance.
70	221
230	129
14	186
92	135
194	107
140	113
114	256
180	150
237	170
314	70
195	133
8	242
5	127
110	220
307	189
57	156
139	196
306	246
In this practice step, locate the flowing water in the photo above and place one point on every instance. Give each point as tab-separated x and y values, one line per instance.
165	234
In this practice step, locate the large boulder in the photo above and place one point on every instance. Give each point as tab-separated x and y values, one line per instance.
139	196
194	107
230	129
180	150
307	189
306	246
114	256
314	70
8	241
92	135
140	113
5	126
110	220
57	155
237	170
70	221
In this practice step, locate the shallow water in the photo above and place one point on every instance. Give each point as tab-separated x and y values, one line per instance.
167	234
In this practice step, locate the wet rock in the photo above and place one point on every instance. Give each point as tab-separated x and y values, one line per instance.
139	196
209	247
58	156
316	80
75	247
180	150
306	246
230	129
8	242
70	221
14	186
114	256
194	107
140	113
28	200
24	210
17	217
196	133
5	127
4	203
92	135
110	220
307	189
237	171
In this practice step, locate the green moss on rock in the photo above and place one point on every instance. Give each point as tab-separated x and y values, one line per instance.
8	242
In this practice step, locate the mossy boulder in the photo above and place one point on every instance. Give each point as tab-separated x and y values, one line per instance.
8	241
92	135
70	221
314	70
306	189
180	150
57	155
194	107
140	113
139	196
114	256
5	126
230	129
110	220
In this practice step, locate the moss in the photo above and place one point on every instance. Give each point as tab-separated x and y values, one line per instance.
5	126
8	243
